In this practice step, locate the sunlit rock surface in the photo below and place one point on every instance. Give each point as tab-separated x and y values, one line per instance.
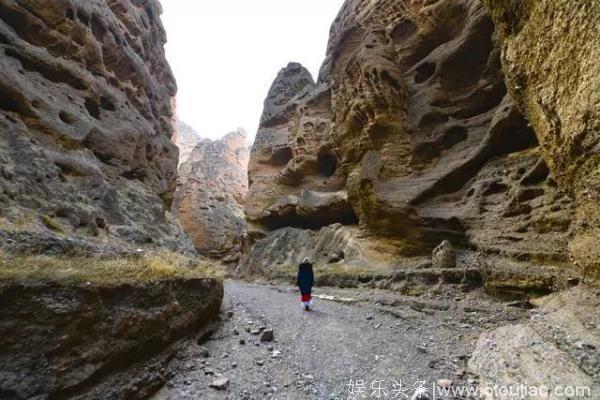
210	194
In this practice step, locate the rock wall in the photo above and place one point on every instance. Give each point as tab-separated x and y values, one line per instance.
410	134
550	53
185	138
211	188
85	121
97	341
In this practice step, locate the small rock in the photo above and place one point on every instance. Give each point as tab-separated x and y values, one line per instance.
242	341
276	353
261	328
220	383
230	314
233	365
369	317
422	349
461	373
444	383
267	335
247	329
444	256
255	332
203	351
260	363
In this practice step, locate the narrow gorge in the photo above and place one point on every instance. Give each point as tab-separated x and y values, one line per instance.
441	173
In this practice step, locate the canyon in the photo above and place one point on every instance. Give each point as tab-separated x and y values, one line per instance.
442	173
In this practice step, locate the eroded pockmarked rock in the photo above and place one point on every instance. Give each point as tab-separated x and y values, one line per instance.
212	185
410	135
85	121
550	53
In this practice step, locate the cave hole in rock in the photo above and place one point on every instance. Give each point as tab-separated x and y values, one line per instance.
424	72
495	188
281	156
403	30
52	72
453	136
327	164
107	104
433	119
66	117
92	107
83	17
8	102
464	68
70	14
98	29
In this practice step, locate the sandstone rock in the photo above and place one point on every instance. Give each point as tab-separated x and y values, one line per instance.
550	55
444	256
85	121
410	121
211	188
80	332
186	139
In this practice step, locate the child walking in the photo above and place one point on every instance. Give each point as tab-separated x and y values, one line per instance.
306	279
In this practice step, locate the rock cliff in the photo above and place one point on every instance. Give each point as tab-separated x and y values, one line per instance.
410	135
85	122
87	178
185	138
211	188
550	53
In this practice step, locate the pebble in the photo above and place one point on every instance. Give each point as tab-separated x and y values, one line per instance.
444	383
267	335
220	383
260	363
242	341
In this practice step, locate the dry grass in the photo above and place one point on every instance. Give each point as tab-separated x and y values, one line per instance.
145	268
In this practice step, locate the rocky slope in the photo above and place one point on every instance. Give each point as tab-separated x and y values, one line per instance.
85	122
409	137
211	187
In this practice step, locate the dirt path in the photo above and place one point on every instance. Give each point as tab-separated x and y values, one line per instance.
380	336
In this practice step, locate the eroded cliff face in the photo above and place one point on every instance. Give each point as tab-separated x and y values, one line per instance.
85	121
185	138
410	134
211	188
550	53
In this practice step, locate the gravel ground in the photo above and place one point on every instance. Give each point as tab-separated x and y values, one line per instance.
380	338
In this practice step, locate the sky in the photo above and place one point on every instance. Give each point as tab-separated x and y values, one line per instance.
226	53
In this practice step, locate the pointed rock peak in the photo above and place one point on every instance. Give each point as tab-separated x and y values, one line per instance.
292	82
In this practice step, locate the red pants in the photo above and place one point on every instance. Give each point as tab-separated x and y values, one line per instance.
306	297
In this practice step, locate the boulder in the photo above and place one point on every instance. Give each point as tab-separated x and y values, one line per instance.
444	256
